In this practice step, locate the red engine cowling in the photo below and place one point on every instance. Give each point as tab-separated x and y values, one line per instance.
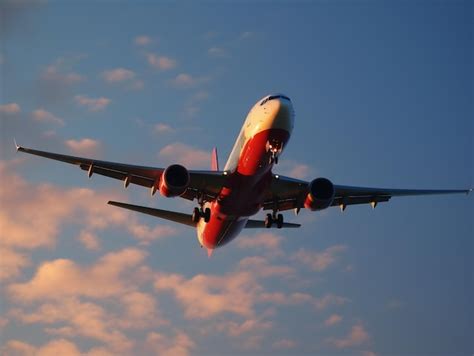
320	195
174	181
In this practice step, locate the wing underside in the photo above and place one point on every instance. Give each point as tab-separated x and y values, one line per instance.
208	183
287	193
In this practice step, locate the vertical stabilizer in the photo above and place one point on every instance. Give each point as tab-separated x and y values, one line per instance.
214	160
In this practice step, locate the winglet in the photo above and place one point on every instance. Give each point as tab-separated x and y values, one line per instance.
16	145
214	160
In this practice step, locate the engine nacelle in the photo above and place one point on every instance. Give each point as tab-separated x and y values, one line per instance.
174	181
320	195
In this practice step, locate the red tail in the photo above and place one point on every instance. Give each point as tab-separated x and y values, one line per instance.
214	160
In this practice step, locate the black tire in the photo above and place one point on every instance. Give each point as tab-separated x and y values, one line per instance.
279	221
196	215
276	160
207	215
268	221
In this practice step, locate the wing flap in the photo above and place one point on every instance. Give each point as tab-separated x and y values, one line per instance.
174	216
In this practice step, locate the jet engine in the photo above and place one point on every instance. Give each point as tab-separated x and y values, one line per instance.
320	194
174	181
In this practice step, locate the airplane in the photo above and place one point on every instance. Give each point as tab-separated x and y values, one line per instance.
227	198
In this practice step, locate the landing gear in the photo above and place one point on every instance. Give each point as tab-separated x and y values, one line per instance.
200	213
274	218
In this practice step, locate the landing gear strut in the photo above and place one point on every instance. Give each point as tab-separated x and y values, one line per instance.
200	213
270	219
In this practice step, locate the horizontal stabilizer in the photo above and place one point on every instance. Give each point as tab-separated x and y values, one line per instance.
179	218
256	224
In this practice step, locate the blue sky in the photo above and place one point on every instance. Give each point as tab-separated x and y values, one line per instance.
383	97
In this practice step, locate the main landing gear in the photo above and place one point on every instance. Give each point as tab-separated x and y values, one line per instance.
199	213
270	219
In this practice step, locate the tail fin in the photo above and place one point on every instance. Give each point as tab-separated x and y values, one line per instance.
214	160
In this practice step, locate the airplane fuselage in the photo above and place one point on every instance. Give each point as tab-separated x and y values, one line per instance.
263	136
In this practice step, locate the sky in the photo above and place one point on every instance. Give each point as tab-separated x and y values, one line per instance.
383	94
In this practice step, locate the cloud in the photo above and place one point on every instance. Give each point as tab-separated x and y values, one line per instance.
161	128
11	108
63	278
186	81
42	115
142	40
188	156
267	241
295	169
118	75
319	261
261	267
245	35
161	62
89	240
212	292
356	337
11	262
83	147
249	326
60	71
179	345
53	347
92	104
217	52
86	319
284	344
333	320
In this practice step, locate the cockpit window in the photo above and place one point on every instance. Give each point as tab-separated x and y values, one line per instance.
274	97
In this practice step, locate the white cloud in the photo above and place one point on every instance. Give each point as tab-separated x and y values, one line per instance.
83	147
142	40
184	80
42	115
11	108
217	52
118	75
161	62
92	104
246	35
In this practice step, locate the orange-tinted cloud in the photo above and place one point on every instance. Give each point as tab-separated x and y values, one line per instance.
266	241
356	337
319	261
160	62
190	157
11	108
118	75
84	147
333	320
44	116
179	345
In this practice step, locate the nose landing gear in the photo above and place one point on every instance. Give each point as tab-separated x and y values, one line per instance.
270	219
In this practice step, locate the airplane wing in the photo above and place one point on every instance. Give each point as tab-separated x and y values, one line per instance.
207	182
287	193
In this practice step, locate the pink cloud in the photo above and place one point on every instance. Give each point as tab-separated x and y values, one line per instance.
89	240
261	267
11	108
42	115
11	262
92	104
64	278
142	40
161	128
266	241
356	337
60	72
184	80
118	75
179	345
188	156
161	62
319	261
84	147
333	320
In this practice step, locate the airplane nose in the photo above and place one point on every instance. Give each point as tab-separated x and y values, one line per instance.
282	114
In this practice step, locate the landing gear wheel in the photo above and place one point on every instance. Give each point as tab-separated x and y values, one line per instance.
207	215
196	215
279	221
268	221
276	159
